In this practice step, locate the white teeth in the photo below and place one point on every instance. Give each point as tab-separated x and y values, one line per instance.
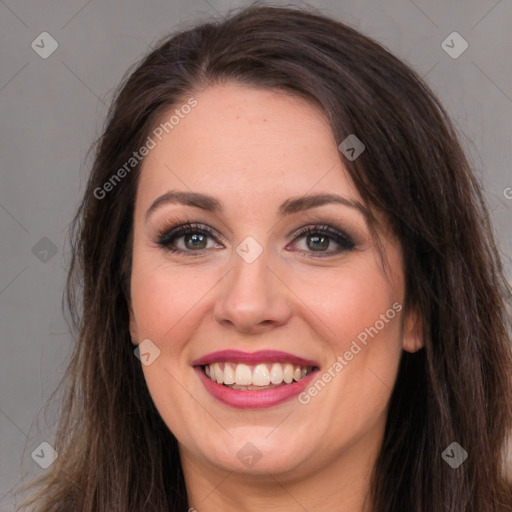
288	373
276	374
243	375
218	373
229	374
272	374
261	375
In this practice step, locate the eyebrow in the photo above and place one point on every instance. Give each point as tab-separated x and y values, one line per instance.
288	207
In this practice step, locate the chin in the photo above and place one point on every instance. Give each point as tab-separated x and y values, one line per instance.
259	454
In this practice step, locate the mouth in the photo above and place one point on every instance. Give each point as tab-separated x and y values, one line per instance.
254	380
256	377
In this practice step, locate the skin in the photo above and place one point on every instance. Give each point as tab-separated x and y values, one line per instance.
252	149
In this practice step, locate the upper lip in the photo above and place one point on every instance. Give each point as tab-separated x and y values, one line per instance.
261	356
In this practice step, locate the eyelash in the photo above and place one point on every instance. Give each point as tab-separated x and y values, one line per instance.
170	233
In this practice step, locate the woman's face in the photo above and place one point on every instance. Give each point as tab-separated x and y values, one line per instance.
314	303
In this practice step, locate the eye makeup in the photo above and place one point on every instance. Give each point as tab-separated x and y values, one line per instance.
326	230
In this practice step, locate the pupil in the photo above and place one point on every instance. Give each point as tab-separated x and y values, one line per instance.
195	238
316	239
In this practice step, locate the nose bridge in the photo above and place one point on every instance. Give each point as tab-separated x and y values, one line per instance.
252	297
251	270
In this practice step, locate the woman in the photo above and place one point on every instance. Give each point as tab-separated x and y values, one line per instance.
292	296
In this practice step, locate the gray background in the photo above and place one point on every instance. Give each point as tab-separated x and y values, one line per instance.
52	109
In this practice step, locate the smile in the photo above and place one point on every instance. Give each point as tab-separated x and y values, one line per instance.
253	377
254	380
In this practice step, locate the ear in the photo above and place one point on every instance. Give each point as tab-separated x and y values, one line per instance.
413	331
133	327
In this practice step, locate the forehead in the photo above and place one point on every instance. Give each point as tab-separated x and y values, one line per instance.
246	144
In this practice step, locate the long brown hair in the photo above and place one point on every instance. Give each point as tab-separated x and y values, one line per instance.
116	453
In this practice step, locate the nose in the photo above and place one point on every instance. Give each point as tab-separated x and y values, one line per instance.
252	298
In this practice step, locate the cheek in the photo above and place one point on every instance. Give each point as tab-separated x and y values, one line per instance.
366	313
159	299
356	312
167	300
350	300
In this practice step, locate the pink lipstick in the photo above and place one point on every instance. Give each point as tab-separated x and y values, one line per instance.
254	370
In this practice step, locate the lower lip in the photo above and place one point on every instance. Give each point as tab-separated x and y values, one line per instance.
253	399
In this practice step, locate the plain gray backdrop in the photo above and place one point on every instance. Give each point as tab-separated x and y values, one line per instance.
52	107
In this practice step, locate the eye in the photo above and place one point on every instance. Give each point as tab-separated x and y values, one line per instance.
194	238
320	237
